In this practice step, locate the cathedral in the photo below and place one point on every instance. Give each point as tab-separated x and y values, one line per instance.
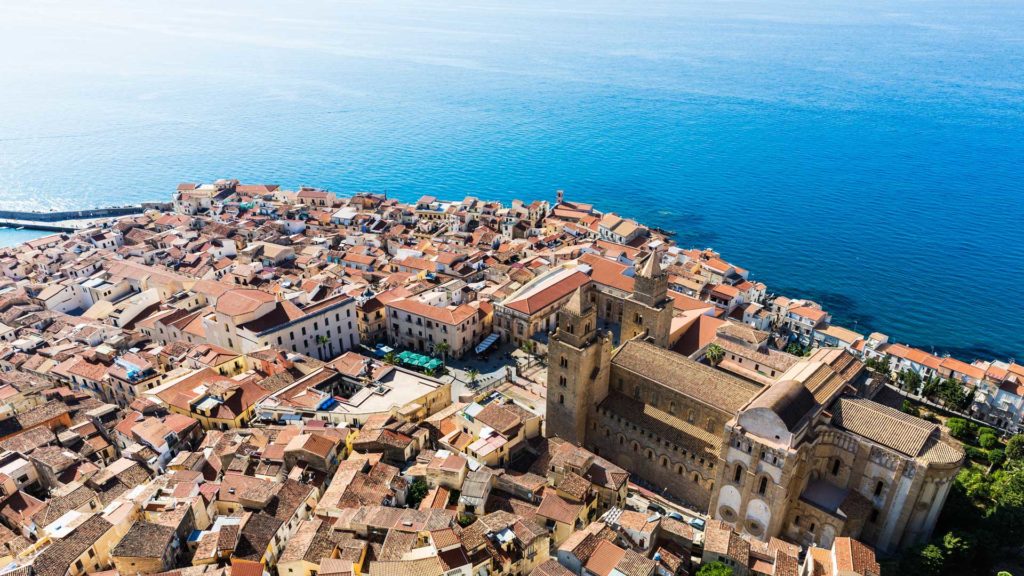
802	454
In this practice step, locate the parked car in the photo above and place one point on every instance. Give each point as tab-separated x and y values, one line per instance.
697	524
676	516
656	508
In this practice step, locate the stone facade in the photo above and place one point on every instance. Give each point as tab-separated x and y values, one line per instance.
648	311
800	456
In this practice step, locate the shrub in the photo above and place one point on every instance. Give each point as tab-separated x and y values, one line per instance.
959	428
996	457
715	569
988	441
976	454
1015	447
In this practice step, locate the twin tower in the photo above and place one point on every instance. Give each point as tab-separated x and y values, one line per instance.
580	355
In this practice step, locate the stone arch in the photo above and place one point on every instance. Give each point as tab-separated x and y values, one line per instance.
737	473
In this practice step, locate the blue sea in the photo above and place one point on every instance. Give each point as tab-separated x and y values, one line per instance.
867	154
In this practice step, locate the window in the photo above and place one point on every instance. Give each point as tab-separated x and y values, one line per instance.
874	516
878	488
738	475
561	398
835	467
561	380
763	486
563	362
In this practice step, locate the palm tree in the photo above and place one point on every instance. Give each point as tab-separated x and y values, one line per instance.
714	354
473	374
321	343
442	348
391	358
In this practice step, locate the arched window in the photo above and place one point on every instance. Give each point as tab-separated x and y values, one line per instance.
763	486
738	475
636	393
672	408
679	469
650	454
622	440
878	488
561	381
664	462
636	447
835	467
813	526
561	398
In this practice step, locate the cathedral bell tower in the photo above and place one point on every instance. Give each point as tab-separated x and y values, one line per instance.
578	363
648	311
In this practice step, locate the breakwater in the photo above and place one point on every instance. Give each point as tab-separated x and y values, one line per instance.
61	215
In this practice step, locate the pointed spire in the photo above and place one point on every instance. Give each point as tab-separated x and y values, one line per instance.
652	266
576	303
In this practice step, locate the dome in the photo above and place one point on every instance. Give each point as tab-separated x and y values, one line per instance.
789	399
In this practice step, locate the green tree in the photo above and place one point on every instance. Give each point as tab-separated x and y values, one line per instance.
952	393
923	561
931	387
960	429
715	569
958	552
996	457
473	374
1015	447
442	348
391	358
988	441
795	349
909	380
714	354
417	492
909	407
321	345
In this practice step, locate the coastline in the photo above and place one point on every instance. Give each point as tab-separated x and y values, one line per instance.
840	305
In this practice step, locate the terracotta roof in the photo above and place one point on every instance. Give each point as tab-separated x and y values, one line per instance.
853	556
886	426
144	540
543	298
554	507
698	381
242	301
605	558
55	559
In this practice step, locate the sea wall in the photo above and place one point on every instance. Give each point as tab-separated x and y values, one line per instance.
58	216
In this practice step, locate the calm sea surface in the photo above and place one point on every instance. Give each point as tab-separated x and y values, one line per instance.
867	154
